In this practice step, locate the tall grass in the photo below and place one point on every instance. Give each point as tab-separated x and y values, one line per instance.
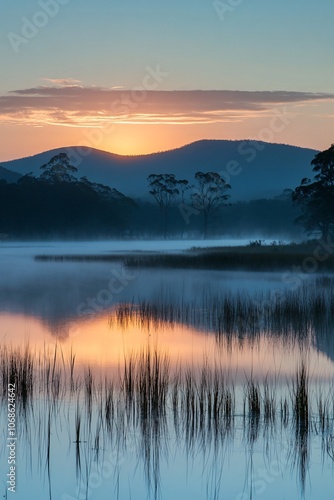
17	367
146	400
302	419
148	388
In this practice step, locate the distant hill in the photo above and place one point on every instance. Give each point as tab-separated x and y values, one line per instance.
8	175
263	170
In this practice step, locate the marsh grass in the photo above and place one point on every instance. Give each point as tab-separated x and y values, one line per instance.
224	260
302	422
261	258
17	367
147	388
301	402
147	404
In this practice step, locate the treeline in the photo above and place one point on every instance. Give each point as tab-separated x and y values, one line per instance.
59	205
34	208
268	218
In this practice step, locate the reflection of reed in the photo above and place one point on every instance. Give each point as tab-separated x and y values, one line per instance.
48	454
301	421
77	439
146	390
330	447
148	406
253	398
289	314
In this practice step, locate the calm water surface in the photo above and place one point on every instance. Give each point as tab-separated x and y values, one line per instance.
76	308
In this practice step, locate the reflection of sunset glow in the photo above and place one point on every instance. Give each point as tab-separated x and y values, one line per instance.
102	342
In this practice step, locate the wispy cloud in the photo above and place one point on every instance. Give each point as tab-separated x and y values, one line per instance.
63	82
66	102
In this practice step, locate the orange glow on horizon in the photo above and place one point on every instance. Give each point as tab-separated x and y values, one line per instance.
18	141
47	118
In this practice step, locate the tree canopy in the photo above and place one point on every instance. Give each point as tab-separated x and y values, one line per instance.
316	197
210	194
58	169
165	188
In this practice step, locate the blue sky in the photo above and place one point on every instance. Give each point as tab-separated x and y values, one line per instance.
260	45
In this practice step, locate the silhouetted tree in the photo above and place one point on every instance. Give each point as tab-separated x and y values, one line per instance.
165	188
58	169
210	195
316	198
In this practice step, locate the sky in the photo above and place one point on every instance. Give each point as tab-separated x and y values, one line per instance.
138	76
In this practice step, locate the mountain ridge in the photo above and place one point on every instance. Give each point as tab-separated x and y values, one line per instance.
254	169
190	144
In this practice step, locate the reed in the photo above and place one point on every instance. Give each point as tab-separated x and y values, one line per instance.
301	399
146	387
146	400
17	367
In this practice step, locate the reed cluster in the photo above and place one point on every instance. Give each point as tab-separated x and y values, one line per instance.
148	404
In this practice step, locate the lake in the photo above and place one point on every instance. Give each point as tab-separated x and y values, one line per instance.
160	383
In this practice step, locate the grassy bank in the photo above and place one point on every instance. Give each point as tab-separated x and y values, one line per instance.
306	256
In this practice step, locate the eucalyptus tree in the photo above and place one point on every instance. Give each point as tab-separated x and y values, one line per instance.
210	195
165	189
316	197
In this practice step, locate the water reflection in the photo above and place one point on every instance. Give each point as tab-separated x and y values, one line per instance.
140	420
222	377
104	342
